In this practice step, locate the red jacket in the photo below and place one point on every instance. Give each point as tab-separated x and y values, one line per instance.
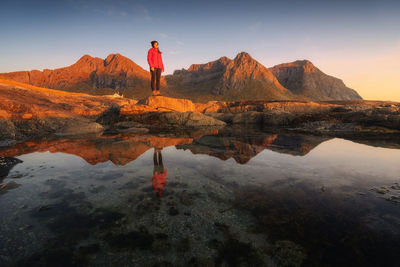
154	59
159	181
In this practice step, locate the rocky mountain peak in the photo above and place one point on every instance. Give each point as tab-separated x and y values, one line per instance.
245	72
85	58
117	63
224	59
115	58
243	56
216	65
108	59
244	63
86	63
118	60
305	66
303	78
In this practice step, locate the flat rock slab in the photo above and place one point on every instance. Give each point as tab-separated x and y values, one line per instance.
189	119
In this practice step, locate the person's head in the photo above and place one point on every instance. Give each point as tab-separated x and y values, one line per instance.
154	44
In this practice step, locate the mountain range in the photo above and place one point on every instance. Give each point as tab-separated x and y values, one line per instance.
303	78
241	78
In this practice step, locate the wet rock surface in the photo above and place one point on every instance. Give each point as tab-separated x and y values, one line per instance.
6	165
391	193
297	225
52	112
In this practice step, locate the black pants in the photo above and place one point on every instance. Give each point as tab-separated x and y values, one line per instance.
155	78
158	164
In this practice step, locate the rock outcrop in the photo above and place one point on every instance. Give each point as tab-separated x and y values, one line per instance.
189	119
162	103
6	164
304	79
28	112
335	117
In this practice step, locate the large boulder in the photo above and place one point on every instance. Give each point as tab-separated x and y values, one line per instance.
249	117
189	119
7	129
162	103
79	126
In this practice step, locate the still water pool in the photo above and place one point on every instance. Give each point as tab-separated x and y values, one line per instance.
234	197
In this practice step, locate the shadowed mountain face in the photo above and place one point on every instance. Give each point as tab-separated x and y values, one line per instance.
225	79
304	79
198	81
92	75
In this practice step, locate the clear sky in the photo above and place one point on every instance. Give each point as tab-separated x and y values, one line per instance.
357	41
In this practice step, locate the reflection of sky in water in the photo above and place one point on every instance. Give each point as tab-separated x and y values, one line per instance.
336	162
341	159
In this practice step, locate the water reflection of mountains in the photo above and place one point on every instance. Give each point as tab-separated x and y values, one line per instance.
242	148
239	144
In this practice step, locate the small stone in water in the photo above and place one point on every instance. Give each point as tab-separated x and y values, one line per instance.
173	211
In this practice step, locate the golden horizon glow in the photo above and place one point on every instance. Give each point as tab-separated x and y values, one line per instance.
374	77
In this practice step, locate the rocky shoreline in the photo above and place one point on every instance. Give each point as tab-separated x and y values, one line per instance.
28	112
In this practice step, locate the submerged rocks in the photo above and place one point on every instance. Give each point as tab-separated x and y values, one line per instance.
287	253
4	188
390	193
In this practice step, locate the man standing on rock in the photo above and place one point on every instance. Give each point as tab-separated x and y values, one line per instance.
156	67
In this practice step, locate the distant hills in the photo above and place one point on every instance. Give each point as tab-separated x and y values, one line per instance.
242	78
303	78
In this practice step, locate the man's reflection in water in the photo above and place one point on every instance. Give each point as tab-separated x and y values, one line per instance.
159	173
